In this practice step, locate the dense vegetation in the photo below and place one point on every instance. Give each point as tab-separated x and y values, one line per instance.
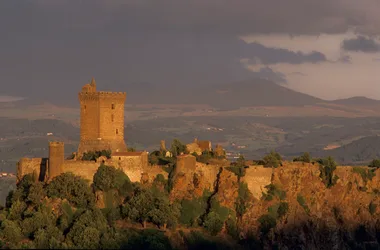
113	212
64	213
93	155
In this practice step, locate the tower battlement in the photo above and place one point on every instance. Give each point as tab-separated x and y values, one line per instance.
111	96
56	143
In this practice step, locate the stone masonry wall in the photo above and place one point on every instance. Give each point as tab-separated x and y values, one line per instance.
102	121
133	166
185	164
257	177
111	116
36	166
85	169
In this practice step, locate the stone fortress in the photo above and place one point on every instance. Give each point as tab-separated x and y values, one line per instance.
101	128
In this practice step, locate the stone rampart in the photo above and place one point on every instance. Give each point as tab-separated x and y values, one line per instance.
36	166
85	169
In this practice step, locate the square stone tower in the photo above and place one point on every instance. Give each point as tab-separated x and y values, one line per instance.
101	120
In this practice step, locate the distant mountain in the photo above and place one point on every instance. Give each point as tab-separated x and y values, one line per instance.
357	101
360	151
255	92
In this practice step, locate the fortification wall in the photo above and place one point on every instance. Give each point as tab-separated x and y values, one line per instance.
35	166
153	171
185	164
85	169
257	177
133	166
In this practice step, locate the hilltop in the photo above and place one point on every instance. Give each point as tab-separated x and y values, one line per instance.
297	205
357	101
255	92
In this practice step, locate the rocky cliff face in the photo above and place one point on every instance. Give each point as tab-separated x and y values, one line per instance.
291	205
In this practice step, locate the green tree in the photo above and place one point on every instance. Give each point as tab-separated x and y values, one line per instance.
73	188
375	163
36	193
213	223
267	222
10	231
327	168
93	155
273	159
303	158
131	149
177	148
49	238
108	177
87	229
139	206
192	210
242	200
163	213
42	218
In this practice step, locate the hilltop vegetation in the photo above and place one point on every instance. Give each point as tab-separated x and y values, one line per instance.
113	212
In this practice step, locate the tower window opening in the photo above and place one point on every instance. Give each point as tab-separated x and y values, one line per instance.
117	131
84	106
112	118
113	106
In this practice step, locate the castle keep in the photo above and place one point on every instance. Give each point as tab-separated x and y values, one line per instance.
101	120
101	128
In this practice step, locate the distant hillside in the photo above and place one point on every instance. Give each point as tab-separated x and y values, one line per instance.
255	92
359	151
357	101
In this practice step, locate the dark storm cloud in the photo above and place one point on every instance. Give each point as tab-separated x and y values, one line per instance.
361	44
266	55
51	47
222	17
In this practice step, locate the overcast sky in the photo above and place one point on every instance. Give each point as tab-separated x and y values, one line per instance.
326	48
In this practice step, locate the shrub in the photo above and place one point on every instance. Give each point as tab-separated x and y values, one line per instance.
93	155
191	210
267	223
238	171
303	158
374	163
282	209
366	174
273	159
232	229
327	168
274	191
177	148
73	188
108	177
301	201
242	200
213	223
372	208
